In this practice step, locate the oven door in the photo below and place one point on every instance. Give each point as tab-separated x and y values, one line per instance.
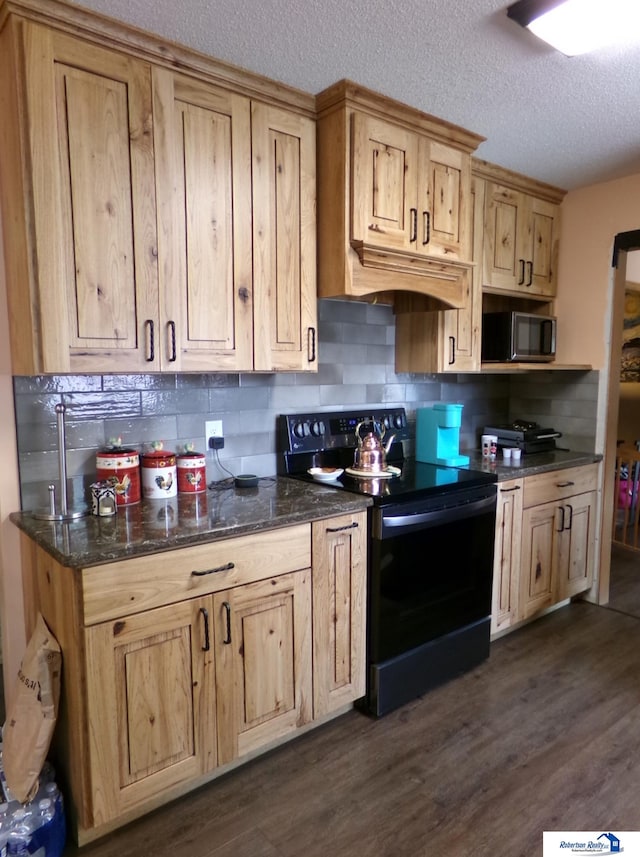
430	577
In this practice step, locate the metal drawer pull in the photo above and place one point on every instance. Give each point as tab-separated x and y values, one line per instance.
561	527
564	484
452	353
227	609
521	277
506	490
226	567
340	529
205	616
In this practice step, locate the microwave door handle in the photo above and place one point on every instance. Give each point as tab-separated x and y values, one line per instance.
548	337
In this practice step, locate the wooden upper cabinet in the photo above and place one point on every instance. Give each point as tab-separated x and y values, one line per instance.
160	221
394	207
521	233
90	141
203	189
384	183
284	239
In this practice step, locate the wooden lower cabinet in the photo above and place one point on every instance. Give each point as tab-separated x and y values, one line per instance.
263	662
506	576
230	648
339	614
150	704
545	542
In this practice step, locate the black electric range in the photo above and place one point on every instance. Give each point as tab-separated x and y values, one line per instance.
327	439
431	534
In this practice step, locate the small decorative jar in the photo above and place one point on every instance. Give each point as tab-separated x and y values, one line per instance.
159	479
192	472
120	468
103	499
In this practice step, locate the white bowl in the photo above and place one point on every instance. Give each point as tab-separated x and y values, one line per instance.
325	474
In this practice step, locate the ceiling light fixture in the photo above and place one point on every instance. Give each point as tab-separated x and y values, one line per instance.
578	26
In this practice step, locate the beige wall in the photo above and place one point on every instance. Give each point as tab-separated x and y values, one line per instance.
591	219
11	601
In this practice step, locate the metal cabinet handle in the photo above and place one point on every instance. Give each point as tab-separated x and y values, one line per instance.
426	217
570	508
507	490
530	267
172	331
452	350
207	641
521	278
414	225
311	345
227	610
226	567
561	527
151	349
564	484
340	529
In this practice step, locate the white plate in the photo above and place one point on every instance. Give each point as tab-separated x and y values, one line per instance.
325	474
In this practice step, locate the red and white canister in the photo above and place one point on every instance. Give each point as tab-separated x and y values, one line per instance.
159	479
192	472
120	468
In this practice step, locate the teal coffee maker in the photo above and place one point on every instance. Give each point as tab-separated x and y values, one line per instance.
438	435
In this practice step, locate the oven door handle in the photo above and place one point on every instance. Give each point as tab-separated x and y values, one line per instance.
434	517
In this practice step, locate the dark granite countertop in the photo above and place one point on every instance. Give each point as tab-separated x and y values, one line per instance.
159	525
531	464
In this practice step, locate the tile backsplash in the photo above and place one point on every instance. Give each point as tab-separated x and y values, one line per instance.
356	368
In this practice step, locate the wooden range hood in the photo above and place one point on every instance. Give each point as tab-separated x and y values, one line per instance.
394	200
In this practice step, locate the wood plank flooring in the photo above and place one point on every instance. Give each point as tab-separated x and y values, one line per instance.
624	587
545	735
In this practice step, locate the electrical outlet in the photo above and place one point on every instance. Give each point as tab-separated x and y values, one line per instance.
213	428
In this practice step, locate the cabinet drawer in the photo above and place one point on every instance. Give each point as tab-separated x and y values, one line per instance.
558	484
141	583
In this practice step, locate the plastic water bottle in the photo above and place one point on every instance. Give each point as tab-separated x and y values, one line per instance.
18	841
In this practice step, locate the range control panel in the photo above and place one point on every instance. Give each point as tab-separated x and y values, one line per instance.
336	430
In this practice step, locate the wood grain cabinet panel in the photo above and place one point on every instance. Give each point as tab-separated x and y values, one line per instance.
263	662
90	140
151	705
339	611
161	222
507	555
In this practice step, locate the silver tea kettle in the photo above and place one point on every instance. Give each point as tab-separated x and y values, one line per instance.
370	454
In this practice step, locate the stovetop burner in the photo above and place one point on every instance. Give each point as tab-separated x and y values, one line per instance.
327	439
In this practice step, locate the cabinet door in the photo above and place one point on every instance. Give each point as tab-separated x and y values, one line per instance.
384	198
91	149
540	528
203	187
263	662
444	211
506	565
284	240
150	705
505	221
339	611
543	247
577	545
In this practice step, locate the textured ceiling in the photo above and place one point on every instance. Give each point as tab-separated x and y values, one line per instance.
567	121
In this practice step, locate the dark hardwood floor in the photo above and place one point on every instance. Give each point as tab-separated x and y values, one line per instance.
624	586
545	735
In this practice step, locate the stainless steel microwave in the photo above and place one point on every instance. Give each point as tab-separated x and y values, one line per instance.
519	337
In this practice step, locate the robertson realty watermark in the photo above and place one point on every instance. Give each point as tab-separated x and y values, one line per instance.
591	842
